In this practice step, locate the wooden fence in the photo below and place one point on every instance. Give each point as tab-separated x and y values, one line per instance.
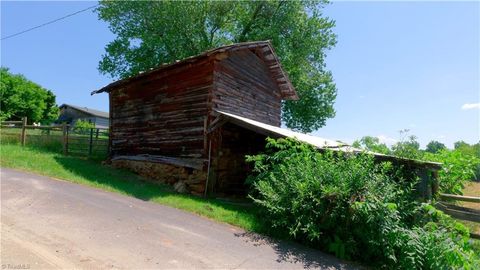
90	142
460	212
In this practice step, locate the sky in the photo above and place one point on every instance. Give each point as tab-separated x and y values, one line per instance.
397	65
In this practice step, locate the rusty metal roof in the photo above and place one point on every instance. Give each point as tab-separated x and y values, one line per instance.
264	47
318	142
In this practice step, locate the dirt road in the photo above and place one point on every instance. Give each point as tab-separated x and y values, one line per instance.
48	223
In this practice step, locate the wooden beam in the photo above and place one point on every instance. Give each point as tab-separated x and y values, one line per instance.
181	162
24	131
460	198
459	212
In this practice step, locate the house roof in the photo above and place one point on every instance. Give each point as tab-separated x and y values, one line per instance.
87	110
318	142
264	48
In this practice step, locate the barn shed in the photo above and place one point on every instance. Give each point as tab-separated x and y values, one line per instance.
191	123
70	114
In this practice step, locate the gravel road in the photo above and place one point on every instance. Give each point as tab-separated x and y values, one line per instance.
49	223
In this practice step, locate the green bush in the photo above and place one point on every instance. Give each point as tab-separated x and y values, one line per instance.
355	208
457	169
83	127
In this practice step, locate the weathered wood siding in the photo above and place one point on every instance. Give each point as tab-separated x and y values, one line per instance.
170	113
162	114
244	86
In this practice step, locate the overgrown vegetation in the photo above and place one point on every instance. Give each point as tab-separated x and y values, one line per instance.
457	169
460	164
355	208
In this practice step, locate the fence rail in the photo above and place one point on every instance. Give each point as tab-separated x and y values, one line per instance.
459	198
460	212
90	142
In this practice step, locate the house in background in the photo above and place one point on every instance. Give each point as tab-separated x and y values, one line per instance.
191	123
71	114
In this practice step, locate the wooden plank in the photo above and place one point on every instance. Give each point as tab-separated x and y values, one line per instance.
459	214
460	208
182	162
65	138
44	127
460	198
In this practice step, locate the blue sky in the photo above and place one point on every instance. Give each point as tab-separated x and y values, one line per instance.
397	65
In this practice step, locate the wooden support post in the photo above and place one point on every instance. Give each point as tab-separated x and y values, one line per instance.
208	168
90	142
96	135
24	131
65	138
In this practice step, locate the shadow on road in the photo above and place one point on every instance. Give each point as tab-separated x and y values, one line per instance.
296	253
133	185
93	173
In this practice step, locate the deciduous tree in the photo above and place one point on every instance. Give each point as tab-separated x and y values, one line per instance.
371	144
435	146
150	33
21	97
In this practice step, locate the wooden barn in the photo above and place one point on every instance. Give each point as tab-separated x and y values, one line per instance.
191	123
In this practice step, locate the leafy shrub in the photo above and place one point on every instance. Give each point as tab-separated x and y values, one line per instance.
83	127
457	168
354	208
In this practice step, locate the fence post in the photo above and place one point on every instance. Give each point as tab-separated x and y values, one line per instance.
65	138
91	141
24	131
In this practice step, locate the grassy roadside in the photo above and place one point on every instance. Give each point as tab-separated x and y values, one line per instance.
91	173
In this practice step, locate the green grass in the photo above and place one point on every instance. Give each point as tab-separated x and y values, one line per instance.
92	173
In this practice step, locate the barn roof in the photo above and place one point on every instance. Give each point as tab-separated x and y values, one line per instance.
318	142
87	110
264	48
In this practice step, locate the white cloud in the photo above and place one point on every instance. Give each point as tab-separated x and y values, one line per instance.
471	106
387	140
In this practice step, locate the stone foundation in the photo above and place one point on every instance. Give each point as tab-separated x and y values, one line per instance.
184	180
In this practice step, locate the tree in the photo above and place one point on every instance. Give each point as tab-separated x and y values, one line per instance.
149	33
460	144
21	97
371	144
435	146
407	147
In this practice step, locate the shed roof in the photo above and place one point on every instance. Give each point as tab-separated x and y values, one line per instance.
263	47
318	142
87	110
